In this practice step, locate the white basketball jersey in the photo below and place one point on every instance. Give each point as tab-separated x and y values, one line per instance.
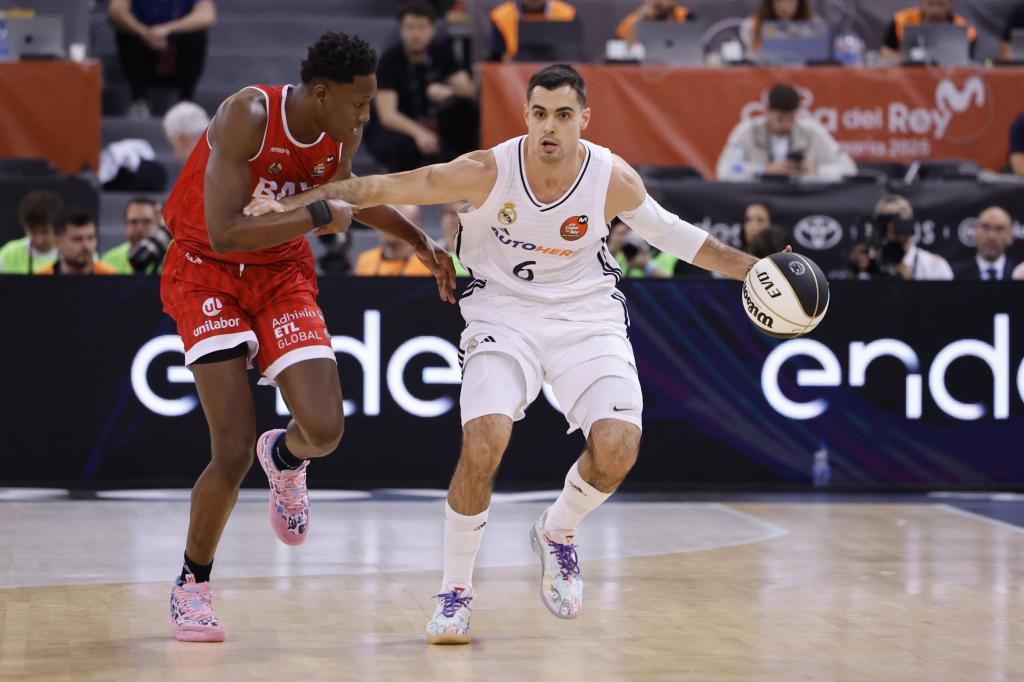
551	254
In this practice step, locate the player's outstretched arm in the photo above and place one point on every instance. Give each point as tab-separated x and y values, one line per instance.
235	136
628	199
470	178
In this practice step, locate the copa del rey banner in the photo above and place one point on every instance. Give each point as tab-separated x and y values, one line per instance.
661	115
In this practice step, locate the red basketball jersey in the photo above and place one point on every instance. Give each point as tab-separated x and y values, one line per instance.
283	166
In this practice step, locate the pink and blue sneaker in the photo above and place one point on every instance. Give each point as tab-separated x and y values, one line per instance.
191	616
450	622
289	501
561	585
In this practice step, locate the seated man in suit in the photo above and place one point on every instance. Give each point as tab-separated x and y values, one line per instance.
994	234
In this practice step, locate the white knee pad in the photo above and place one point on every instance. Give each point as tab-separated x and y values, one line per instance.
610	397
493	383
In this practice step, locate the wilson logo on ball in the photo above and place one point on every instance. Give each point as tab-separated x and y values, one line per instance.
574	227
754	311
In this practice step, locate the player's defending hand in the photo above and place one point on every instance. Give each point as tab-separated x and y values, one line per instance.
341	211
437	260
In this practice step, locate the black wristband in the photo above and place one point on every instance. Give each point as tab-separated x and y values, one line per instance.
320	212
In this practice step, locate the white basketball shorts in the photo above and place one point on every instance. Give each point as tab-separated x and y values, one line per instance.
506	362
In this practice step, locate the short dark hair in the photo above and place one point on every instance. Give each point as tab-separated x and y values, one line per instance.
783	98
74	217
135	201
555	76
417	8
39	208
339	57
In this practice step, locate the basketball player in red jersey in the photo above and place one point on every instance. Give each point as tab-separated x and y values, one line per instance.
243	292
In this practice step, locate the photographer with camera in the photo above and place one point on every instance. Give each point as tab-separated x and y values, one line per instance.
785	142
899	255
632	253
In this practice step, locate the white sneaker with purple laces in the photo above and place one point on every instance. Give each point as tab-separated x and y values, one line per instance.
561	585
450	622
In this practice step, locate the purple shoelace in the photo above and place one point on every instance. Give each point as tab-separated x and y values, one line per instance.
566	557
452	602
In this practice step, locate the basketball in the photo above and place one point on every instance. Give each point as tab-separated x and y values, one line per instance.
785	295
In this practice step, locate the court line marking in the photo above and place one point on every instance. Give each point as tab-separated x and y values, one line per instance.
981	517
770	531
774	530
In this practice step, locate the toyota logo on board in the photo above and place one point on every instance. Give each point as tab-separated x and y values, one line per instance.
818	232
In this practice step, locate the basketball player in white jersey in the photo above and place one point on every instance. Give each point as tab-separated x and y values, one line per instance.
542	306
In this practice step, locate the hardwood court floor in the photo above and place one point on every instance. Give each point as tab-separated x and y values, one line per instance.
675	591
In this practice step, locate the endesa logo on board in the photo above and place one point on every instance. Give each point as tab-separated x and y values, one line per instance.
1007	374
379	372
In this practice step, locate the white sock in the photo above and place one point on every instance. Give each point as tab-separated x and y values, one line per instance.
578	499
462	536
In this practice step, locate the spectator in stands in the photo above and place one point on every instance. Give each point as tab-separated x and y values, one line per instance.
771	239
130	165
652	10
141	218
783	142
505	20
993	233
394	257
893	217
76	244
756	219
633	255
184	124
426	111
37	212
1017	146
1015	22
161	41
450	227
927	12
772	10
863	264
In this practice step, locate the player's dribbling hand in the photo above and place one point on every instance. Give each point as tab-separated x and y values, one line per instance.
440	265
341	217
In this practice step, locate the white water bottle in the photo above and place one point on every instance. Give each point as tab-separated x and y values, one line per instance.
5	41
820	472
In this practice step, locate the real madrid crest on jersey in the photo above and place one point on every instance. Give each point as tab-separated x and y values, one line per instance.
507	214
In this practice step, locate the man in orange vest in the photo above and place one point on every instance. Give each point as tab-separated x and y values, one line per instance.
76	246
652	10
927	12
394	257
505	20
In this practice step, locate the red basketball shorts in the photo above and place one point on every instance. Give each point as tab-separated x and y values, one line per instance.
271	308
